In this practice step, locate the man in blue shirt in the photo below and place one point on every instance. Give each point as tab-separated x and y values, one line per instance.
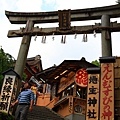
25	102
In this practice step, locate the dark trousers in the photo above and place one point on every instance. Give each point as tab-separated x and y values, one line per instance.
21	112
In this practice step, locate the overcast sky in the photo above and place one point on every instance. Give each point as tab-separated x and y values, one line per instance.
53	52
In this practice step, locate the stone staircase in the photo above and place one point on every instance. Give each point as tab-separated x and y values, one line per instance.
43	113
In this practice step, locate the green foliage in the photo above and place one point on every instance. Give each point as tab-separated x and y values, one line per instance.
24	76
5	116
96	62
6	62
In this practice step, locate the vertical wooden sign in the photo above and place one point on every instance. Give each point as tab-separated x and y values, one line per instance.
6	93
107	88
92	112
9	90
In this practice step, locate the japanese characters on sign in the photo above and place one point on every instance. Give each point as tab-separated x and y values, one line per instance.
6	93
92	97
70	104
107	92
81	77
64	19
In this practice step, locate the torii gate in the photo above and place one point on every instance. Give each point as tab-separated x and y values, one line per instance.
64	18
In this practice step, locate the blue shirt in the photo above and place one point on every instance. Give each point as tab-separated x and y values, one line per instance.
26	96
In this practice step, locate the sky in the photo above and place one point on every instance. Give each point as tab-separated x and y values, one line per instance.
53	51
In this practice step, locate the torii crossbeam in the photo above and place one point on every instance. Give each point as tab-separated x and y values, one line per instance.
105	27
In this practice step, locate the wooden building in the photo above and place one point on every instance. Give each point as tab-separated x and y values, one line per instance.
65	90
33	66
65	87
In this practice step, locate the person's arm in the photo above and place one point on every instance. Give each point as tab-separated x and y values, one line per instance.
12	104
31	105
31	101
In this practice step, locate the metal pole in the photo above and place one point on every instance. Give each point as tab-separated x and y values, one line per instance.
106	37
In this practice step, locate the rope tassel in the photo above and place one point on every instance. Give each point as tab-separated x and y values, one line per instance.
94	33
75	36
62	39
43	39
53	37
84	38
35	38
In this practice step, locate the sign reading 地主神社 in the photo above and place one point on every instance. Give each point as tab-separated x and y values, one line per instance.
107	92
92	111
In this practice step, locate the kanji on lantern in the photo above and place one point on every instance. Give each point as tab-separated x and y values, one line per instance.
81	78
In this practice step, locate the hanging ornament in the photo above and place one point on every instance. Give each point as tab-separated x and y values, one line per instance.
62	39
43	39
35	38
84	38
53	36
75	36
94	33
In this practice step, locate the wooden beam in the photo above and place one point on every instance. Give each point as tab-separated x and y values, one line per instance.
114	27
76	15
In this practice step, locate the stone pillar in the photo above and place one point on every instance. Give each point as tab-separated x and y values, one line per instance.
106	36
23	52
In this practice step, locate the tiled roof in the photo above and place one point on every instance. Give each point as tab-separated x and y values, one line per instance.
43	113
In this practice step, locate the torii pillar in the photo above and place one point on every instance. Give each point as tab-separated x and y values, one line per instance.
106	36
23	51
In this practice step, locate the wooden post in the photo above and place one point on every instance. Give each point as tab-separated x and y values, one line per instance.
106	37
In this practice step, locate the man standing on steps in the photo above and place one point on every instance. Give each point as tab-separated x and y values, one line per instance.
25	102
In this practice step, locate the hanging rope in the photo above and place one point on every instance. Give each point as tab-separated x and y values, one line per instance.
75	36
43	39
35	38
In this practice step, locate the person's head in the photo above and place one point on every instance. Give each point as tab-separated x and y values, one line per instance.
34	85
27	85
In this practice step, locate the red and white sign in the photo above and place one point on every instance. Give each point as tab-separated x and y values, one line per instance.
81	77
107	92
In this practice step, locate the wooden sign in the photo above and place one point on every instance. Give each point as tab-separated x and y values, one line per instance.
6	93
93	97
64	19
107	92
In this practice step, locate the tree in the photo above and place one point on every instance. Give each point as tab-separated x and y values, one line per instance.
6	62
96	62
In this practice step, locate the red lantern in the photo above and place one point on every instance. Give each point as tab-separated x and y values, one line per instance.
81	77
